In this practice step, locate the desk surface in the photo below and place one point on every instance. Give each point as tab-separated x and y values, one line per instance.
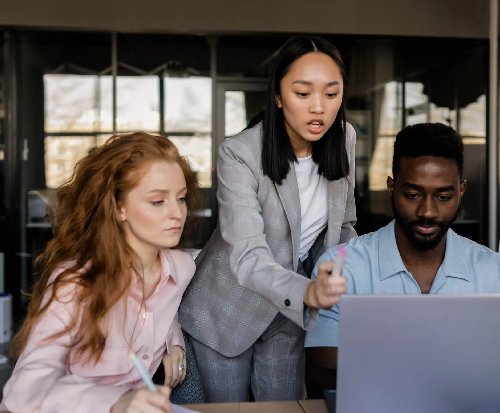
301	406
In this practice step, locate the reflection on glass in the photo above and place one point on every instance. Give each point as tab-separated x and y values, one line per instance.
443	115
61	155
419	108
188	104
473	130
389	125
137	104
473	119
381	164
390	110
198	150
416	103
77	103
361	120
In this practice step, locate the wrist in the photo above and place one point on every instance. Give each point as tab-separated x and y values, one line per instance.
310	295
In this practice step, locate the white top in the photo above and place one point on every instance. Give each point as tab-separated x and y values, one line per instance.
313	203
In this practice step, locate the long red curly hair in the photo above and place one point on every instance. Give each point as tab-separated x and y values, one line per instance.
86	230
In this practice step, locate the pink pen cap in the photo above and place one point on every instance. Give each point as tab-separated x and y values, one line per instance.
339	262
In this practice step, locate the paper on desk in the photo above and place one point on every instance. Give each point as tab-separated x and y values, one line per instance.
179	409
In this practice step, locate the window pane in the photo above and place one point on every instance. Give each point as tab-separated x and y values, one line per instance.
473	119
101	139
473	130
188	104
236	117
77	103
188	121
61	155
443	115
416	103
198	150
361	120
137	103
389	125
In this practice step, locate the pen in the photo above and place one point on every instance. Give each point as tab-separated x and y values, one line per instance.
339	262
142	371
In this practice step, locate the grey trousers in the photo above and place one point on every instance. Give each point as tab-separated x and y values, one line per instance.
273	367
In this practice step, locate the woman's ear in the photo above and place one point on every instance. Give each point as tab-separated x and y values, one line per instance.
121	214
278	102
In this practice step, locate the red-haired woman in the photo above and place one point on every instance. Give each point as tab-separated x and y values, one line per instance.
109	285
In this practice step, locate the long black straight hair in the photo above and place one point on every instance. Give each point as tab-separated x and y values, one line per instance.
329	152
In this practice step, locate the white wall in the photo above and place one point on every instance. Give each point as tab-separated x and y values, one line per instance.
440	18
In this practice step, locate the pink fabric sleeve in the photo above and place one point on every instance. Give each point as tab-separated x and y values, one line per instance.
175	337
41	381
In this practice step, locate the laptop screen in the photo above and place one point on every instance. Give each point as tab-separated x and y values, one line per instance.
419	354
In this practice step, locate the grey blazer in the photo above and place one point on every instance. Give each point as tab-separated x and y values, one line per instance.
246	273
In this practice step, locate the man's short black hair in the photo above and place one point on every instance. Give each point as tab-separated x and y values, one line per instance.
428	139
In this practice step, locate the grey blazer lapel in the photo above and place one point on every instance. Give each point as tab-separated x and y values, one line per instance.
337	198
288	192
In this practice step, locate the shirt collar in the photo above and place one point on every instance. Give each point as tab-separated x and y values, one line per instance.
168	270
389	259
454	264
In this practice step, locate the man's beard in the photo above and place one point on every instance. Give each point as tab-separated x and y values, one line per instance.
422	242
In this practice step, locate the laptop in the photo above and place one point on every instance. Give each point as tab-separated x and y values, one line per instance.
419	354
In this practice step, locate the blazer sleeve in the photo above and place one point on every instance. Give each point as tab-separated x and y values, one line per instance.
347	231
41	381
242	227
184	267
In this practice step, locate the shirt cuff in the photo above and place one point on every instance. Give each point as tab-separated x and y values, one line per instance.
311	316
324	334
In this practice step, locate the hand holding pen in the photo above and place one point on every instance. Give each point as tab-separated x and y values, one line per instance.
338	264
326	290
151	399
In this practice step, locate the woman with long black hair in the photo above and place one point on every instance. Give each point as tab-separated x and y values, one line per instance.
285	193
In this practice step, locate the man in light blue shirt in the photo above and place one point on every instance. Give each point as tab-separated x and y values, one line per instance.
416	253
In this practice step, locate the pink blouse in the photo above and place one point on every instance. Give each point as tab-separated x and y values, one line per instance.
48	378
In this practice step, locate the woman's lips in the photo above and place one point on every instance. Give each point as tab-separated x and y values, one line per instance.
174	229
315	127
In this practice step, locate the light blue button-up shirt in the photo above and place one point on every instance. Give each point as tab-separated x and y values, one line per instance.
373	265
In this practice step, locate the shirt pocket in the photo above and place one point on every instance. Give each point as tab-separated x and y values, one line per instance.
113	362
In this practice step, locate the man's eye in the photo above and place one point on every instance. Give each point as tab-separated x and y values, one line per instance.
412	195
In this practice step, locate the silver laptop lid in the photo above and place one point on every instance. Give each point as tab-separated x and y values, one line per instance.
419	354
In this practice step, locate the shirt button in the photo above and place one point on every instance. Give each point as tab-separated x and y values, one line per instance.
287	302
145	357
